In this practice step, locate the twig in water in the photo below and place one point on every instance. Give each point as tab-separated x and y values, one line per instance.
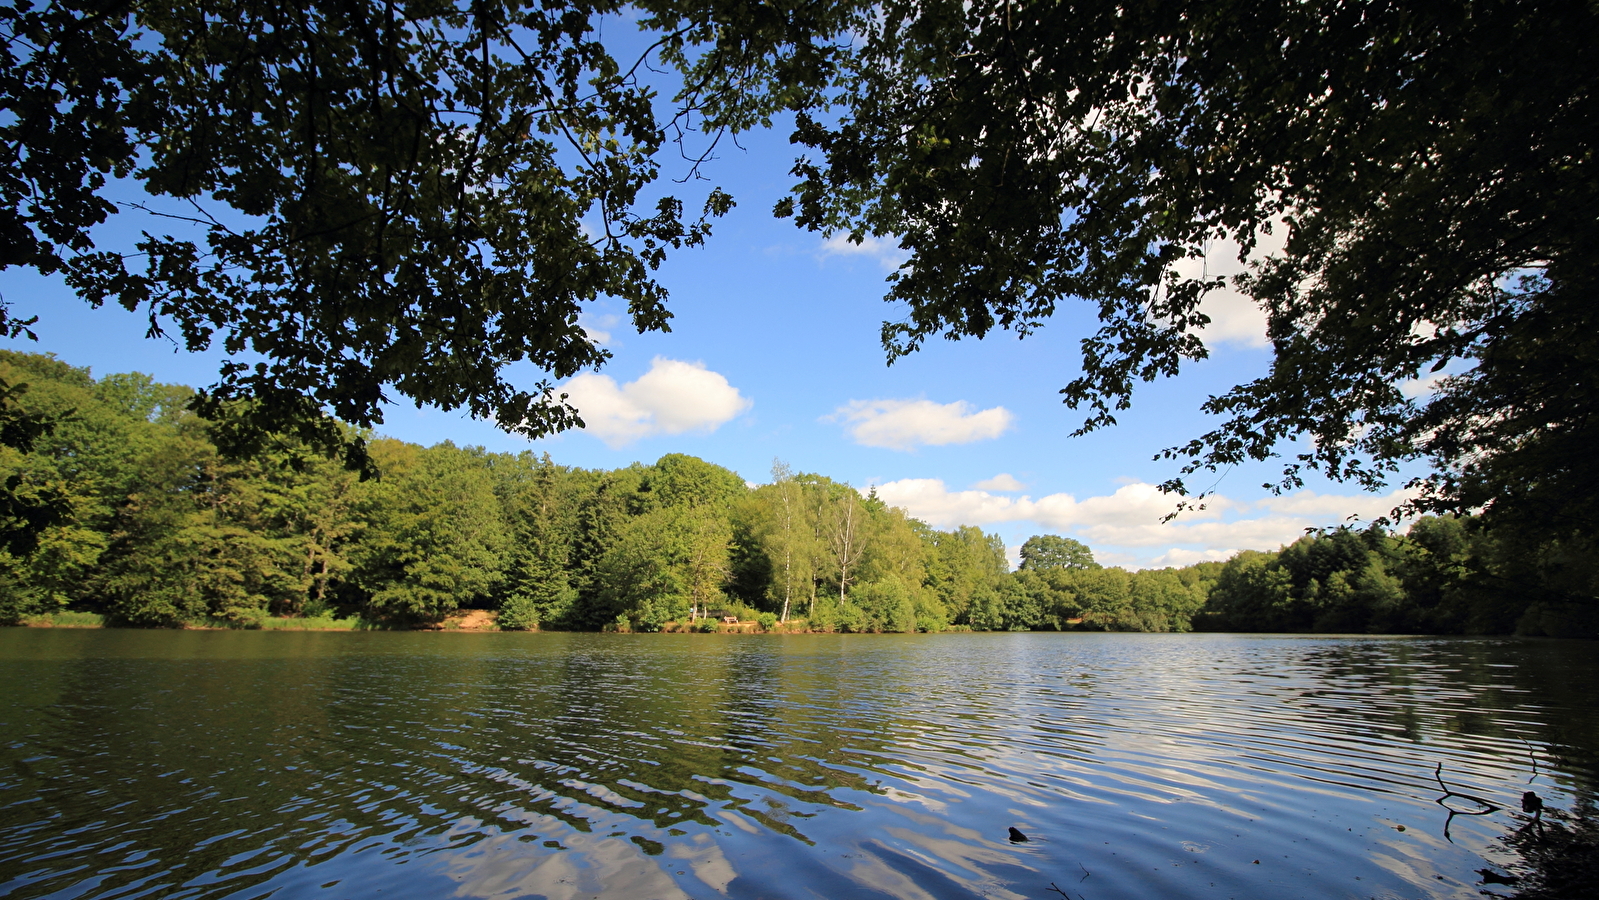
1056	888
1086	873
1487	807
1532	756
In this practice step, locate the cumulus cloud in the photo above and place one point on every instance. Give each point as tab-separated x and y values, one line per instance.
1001	482
888	254
1364	506
673	397
1416	388
598	326
906	424
929	500
1132	516
1234	318
1177	557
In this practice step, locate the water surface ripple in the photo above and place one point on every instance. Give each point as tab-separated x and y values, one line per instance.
247	765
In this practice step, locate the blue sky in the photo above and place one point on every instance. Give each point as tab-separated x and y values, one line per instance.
774	354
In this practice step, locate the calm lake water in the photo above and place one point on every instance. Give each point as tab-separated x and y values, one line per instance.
227	764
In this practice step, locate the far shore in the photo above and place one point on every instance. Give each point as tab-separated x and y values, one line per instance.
472	620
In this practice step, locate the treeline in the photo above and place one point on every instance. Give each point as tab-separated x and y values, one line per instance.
161	529
1445	575
146	523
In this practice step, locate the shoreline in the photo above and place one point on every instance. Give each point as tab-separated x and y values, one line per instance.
470	621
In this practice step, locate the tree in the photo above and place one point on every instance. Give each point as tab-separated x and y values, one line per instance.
374	197
199	537
538	589
85	446
1043	552
679	480
391	197
432	538
963	567
788	539
844	521
706	537
1412	186
27	508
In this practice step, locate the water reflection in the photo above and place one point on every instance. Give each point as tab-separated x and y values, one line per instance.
502	765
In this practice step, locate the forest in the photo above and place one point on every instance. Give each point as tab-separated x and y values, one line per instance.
148	523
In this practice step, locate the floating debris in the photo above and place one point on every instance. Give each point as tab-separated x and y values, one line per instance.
1489	876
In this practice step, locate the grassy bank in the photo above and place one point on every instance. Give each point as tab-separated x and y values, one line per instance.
65	619
461	621
468	620
70	619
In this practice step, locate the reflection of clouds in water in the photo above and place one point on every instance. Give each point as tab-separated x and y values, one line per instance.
731	817
944	844
602	793
706	860
918	867
874	872
826	766
592	865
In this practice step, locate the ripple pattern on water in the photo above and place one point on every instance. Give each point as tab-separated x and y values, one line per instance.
142	764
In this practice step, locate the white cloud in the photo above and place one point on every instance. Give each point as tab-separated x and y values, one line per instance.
598	327
1132	516
1001	482
1234	318
1177	557
905	424
1310	503
888	254
929	500
673	397
1416	388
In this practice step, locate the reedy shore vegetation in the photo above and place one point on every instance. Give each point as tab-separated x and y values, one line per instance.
158	528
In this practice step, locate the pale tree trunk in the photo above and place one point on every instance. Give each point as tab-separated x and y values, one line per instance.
846	544
783	481
785	492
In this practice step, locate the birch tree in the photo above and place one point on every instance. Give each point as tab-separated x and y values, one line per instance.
788	542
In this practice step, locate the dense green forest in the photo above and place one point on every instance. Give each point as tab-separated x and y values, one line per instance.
153	526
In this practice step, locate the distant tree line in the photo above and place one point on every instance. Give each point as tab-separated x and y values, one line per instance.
1445	575
150	524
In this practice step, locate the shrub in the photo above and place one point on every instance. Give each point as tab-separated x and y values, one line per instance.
520	612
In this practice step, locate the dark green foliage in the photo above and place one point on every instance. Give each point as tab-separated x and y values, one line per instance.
164	529
540	514
1419	181
27	507
432	534
417	178
1042	552
408	197
1446	576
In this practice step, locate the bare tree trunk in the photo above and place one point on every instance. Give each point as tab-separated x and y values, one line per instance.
845	545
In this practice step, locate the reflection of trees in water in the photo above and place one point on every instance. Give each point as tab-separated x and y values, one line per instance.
1435	691
1556	739
505	741
181	760
666	735
1530	702
1559	856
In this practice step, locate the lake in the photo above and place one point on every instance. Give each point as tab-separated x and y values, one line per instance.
254	764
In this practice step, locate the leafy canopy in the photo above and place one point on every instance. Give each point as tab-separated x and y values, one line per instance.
1043	552
377	198
1416	161
410	197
